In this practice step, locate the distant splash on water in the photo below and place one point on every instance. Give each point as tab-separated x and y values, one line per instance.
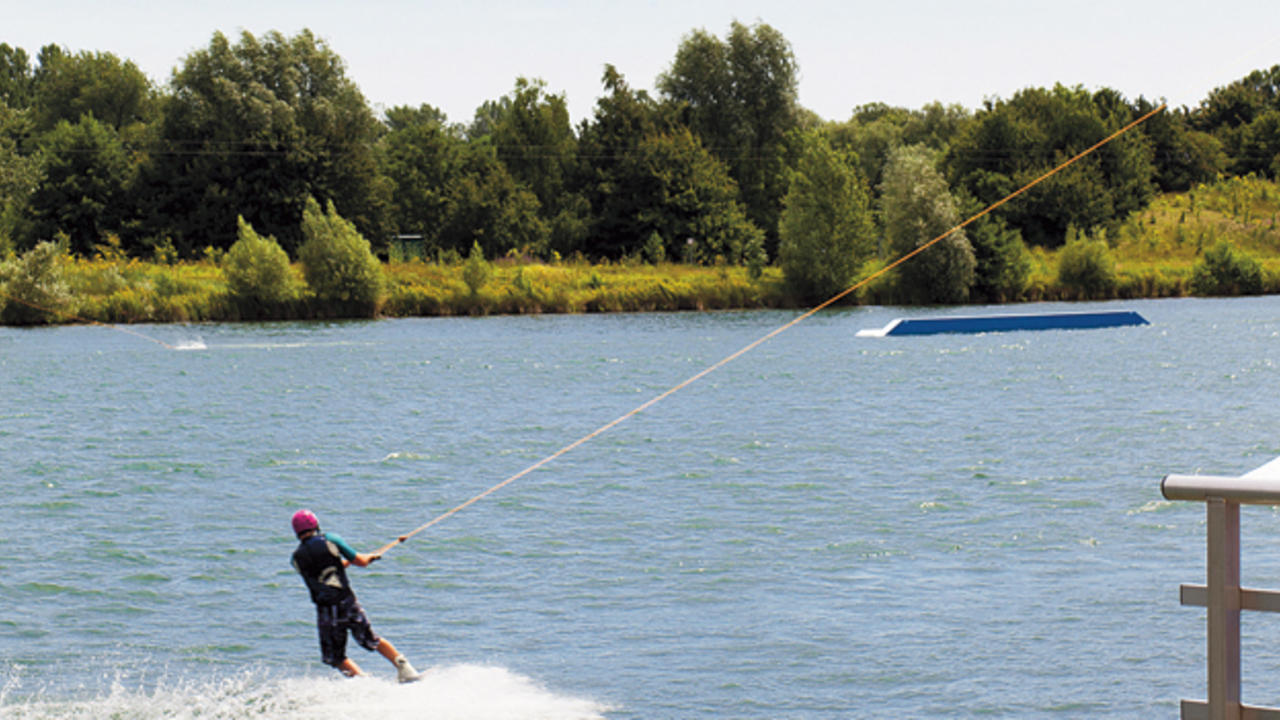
455	692
199	344
196	344
402	456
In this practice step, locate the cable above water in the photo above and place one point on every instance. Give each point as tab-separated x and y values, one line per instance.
763	339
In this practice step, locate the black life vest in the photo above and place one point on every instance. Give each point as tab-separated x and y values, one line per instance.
320	564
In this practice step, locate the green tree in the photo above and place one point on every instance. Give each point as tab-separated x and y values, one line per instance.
739	96
1258	146
487	206
877	129
650	174
1184	156
16	77
609	145
688	197
1242	116
1003	264
1239	103
255	129
257	271
917	207
19	173
936	126
453	192
337	263
48	56
1011	143
84	177
403	117
421	157
870	140
69	88
531	132
826	229
113	91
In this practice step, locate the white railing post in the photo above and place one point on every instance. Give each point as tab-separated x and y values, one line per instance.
1224	608
1222	594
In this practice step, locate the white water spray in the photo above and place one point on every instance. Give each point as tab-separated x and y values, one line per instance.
455	692
196	344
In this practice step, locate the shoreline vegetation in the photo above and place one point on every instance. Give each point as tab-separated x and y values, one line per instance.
1216	239
258	183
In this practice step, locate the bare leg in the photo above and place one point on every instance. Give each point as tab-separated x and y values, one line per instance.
404	670
350	668
387	650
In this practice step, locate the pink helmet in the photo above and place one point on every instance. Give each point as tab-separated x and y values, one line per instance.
305	520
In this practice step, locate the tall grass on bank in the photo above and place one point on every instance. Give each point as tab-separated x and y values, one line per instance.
1203	241
419	288
1241	210
129	291
1162	247
134	291
120	290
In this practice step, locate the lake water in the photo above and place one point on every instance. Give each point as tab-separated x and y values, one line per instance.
828	527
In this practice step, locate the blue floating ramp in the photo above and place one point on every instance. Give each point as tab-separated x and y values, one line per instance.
1005	323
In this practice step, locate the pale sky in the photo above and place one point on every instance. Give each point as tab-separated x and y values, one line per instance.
456	55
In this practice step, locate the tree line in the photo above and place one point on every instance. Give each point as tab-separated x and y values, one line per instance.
720	165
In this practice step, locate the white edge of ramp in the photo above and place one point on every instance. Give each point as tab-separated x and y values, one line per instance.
879	332
1269	470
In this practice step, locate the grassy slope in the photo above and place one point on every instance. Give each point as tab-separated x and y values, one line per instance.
1167	238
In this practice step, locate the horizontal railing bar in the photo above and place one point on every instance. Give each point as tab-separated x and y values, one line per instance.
1250	599
1250	490
1199	710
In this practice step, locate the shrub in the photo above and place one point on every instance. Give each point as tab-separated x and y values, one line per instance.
655	249
257	269
34	286
448	256
1152	282
878	289
337	263
1224	270
164	252
89	278
477	272
826	230
1003	269
129	306
1086	267
213	255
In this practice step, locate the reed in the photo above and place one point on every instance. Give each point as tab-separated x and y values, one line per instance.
520	287
127	291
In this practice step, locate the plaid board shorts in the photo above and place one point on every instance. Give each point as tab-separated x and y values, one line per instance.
333	622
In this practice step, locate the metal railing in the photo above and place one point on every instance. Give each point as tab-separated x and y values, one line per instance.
1223	595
